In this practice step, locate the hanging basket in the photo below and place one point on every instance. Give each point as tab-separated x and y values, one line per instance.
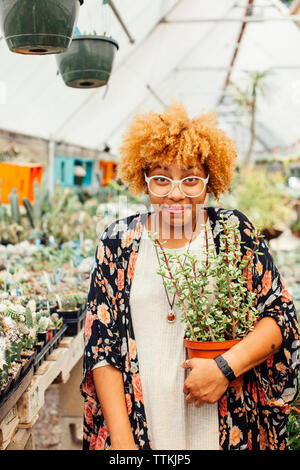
88	61
39	27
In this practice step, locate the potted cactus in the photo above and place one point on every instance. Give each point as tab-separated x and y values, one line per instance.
43	323
57	322
39	27
212	330
68	306
88	62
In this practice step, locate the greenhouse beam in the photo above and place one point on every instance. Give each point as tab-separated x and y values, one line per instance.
155	95
245	19
117	15
225	68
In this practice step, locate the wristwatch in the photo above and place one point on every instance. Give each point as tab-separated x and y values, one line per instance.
224	367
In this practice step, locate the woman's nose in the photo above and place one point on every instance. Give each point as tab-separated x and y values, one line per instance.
176	192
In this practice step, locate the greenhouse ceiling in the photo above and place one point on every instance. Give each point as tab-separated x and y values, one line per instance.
183	50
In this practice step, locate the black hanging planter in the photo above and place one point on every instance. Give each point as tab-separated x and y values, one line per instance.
88	61
39	27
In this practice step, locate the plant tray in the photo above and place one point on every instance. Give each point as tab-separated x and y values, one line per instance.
28	362
75	325
15	392
48	347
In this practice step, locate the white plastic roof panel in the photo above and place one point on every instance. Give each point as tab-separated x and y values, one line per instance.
178	60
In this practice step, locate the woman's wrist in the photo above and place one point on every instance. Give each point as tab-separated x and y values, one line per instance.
262	342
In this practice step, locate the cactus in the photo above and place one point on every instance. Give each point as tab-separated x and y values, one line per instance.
28	318
29	211
68	301
37	206
14	205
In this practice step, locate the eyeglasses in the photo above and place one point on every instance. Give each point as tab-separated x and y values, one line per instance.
161	186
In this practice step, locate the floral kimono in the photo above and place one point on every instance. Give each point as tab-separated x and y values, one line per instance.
253	413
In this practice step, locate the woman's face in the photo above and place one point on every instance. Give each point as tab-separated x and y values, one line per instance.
177	209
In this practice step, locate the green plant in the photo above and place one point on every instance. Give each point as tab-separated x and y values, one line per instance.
14	206
294	424
262	196
43	324
69	301
56	320
232	313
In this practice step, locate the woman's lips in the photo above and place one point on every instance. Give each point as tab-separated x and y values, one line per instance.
175	209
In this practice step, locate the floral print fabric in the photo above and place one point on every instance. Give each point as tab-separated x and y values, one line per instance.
253	413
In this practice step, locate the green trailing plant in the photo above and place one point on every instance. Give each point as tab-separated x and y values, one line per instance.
232	313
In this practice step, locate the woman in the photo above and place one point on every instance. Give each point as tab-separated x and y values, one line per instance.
139	391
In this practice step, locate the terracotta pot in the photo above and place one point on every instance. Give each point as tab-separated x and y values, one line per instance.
49	335
208	349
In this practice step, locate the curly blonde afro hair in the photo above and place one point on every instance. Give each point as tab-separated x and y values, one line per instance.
153	138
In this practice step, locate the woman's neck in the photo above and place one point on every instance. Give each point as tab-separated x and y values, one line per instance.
176	236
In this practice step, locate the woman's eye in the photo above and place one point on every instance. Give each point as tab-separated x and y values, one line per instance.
191	180
161	179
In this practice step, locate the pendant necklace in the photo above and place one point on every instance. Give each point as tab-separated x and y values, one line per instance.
171	316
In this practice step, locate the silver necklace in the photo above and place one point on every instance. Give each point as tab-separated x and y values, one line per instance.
171	315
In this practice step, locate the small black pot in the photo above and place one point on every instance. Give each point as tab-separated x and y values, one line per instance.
42	337
69	314
38	346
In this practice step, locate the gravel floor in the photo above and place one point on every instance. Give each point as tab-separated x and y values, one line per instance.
47	429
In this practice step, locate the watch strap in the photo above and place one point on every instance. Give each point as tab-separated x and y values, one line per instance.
225	368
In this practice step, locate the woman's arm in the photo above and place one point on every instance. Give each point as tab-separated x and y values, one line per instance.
109	386
206	383
262	342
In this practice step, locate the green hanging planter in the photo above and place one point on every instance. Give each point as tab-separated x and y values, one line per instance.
88	61
39	26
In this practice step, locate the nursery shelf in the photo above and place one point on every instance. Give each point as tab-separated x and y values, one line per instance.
21	407
48	348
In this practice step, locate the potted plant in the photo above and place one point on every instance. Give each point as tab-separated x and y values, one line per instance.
39	27
57	322
68	306
212	330
42	328
88	62
5	378
47	303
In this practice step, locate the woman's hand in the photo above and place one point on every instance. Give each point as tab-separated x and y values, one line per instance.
205	383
